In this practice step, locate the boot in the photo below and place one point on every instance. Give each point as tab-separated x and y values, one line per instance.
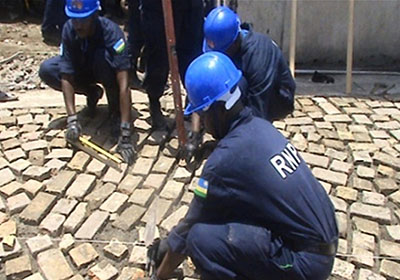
158	121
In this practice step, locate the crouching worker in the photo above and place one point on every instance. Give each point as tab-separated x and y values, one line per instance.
92	51
258	212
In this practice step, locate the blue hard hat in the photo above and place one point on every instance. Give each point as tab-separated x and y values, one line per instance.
208	78
221	28
81	8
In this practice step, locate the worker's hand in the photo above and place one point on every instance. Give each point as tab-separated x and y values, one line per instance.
192	145
125	147
157	251
73	128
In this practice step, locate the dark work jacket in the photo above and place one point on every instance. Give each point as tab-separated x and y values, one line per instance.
271	86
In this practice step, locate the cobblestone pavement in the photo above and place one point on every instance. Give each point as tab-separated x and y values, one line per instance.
65	215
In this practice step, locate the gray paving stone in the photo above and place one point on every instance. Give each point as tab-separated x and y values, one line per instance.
18	267
6	176
362	257
64	206
55	165
17	203
129	217
334	154
61	154
361	184
19	166
343	118
129	184
362	157
141	196
341	166
103	271
66	243
377	213
38	208
24	119
163	165
387	160
330	176
58	143
343	269
182	175
96	168
83	255
373	198
341	219
81	186
389	248
11	188
129	273
35	276
76	218
364	241
366	226
53	265
174	218
160	207
16	251
3	163
299	142
113	176
115	250
38	173
34	145
390	269
92	225
60	183
52	224
39	244
8	228
149	151
366	274
187	197
386	185
138	255
79	161
114	203
394	232
172	190
8	134
365	172
142	166
155	181
298	121
99	194
315	160
361	119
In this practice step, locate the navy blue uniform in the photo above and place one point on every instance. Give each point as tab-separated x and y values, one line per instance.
257	205
95	59
270	84
188	23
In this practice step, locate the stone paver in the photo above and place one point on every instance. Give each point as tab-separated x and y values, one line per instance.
54	265
115	250
380	214
141	196
174	218
171	190
38	173
129	184
83	254
17	203
330	176
6	176
103	271
38	208
99	194
79	161
96	168
39	244
52	223
129	217
160	207
76	218
64	206
92	225
114	202
18	267
81	186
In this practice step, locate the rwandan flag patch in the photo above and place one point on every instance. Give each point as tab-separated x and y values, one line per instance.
201	188
119	46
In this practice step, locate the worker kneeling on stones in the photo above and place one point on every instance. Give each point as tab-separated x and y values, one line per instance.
93	50
270	85
258	212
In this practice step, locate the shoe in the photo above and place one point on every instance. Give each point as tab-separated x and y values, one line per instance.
93	96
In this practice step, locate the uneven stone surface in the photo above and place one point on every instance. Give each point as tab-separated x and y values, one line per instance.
39	244
38	208
54	265
81	186
83	254
93	223
18	267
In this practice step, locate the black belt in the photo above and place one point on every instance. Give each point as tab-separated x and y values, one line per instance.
326	249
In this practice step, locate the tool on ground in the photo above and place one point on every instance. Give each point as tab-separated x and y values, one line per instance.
97	152
173	65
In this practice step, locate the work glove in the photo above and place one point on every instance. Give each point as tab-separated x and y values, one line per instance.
125	147
156	253
192	145
73	128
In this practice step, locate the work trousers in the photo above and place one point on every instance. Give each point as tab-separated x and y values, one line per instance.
135	34
239	251
54	16
98	70
188	22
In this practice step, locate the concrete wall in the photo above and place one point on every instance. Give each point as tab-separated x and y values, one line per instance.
322	30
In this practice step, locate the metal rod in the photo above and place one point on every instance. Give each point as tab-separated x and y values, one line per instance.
341	72
173	65
292	47
350	40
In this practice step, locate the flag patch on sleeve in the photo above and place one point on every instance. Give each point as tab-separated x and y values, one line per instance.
201	188
119	46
